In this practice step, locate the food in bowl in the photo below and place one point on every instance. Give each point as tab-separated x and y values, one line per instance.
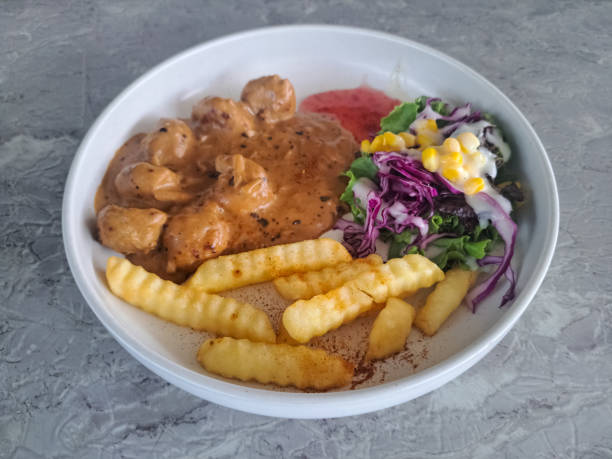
431	182
238	175
228	195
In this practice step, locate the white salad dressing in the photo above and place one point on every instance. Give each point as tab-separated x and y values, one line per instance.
483	210
490	135
482	169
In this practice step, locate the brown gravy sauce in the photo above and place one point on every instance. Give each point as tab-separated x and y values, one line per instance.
236	176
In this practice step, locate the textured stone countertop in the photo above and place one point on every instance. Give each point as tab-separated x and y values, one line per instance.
67	389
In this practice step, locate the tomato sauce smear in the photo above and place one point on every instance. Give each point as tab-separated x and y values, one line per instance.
358	110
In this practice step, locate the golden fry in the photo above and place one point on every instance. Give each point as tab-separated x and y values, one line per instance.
185	306
398	277
261	265
308	284
281	364
391	328
306	319
445	298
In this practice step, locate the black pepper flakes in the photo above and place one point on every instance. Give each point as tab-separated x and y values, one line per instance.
299	132
296	222
163	130
324	198
263	222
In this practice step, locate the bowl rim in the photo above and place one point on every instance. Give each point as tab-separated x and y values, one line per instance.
314	405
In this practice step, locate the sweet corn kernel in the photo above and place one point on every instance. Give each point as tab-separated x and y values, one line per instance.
365	146
451	145
399	144
468	141
408	138
389	138
451	173
473	185
479	158
430	159
431	125
475	160
455	157
387	142
376	144
424	140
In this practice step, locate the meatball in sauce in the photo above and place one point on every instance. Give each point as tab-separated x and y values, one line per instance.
238	175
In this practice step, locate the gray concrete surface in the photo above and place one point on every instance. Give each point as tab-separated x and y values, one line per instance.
67	389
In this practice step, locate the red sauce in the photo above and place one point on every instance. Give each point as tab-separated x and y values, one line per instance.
359	110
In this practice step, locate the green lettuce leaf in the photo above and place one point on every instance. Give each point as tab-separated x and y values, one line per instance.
420	102
456	250
400	241
438	106
445	224
361	167
364	167
449	258
400	118
477	249
348	197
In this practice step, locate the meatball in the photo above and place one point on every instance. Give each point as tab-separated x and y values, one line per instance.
243	186
271	98
129	230
191	238
150	183
213	113
171	145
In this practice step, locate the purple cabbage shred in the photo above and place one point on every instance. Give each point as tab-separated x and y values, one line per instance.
404	199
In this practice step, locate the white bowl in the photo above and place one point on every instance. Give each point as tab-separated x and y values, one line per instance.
314	58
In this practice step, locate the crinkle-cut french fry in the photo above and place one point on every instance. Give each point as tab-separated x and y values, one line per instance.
445	298
390	329
306	285
185	306
398	277
232	271
306	319
281	364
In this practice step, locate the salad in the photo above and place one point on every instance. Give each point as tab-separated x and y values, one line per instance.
431	182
